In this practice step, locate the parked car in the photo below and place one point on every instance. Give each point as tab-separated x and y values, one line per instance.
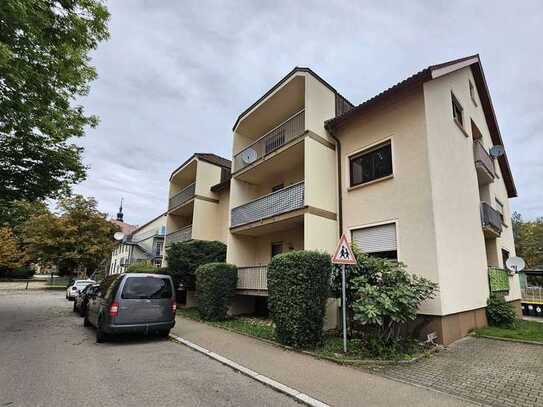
132	303
81	301
73	290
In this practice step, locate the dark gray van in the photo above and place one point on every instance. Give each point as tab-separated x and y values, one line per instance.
131	303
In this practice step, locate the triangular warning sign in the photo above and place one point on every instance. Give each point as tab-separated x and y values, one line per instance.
343	253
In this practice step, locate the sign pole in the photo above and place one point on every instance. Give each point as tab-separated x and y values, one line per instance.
344	308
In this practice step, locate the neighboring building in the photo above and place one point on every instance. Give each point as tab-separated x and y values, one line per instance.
119	255
407	173
198	200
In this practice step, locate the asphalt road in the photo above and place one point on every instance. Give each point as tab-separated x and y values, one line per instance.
47	358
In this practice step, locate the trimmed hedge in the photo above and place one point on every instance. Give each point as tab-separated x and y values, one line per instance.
298	287
142	267
185	257
215	286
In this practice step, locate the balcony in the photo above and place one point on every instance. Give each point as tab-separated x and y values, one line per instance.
281	135
182	196
285	200
532	294
484	164
491	221
181	235
253	278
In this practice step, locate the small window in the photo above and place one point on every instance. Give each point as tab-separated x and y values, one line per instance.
276	248
499	208
505	256
457	111
371	165
278	187
472	93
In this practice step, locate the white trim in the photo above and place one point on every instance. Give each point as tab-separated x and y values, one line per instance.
436	73
380	223
348	156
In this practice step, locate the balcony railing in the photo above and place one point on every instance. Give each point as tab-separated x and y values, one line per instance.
182	196
181	235
145	235
533	294
253	278
276	203
483	163
491	219
271	141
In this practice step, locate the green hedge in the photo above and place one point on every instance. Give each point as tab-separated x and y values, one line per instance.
142	267
215	287
298	286
499	312
185	257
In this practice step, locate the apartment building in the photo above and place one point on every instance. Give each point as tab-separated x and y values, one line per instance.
407	173
141	244
198	200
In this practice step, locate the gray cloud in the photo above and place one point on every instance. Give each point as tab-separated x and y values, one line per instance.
175	75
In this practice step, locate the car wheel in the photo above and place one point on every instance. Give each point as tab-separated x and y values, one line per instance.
164	333
100	334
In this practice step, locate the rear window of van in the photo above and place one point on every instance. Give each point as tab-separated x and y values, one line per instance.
147	288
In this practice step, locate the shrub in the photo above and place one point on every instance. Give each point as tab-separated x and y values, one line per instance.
142	267
18	273
298	286
499	312
382	296
185	257
215	285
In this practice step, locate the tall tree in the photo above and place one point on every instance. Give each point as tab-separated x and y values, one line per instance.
79	238
529	240
11	256
44	66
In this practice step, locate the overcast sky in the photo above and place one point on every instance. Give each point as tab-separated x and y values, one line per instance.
175	75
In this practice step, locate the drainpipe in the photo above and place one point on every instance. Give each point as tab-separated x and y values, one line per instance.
339	195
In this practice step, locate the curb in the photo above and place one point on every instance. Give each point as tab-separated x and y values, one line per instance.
275	385
499	338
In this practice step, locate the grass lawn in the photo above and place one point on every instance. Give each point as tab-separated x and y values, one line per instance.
524	330
332	346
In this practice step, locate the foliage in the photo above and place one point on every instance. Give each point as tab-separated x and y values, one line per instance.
18	273
499	312
44	67
529	240
185	257
11	257
498	279
522	330
215	287
298	285
142	267
383	296
79	238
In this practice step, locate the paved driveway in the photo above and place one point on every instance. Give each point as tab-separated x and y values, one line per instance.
488	371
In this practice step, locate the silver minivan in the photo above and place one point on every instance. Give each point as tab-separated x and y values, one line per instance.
132	303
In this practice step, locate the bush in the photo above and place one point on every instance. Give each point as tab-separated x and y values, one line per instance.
142	267
18	273
499	312
215	285
382	296
185	257
298	286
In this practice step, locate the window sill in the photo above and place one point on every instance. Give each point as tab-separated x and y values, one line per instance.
370	183
461	127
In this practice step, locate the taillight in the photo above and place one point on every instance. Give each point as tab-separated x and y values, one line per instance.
114	309
174	306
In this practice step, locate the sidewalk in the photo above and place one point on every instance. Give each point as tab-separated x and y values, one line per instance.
333	384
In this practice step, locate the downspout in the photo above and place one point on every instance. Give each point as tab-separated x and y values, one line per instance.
339	194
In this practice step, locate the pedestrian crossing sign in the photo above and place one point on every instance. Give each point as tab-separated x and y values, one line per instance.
343	254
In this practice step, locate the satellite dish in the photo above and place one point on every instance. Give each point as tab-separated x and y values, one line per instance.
118	236
515	264
248	156
497	151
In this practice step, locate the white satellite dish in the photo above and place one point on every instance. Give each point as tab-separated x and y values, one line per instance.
497	151
118	236
248	156
515	264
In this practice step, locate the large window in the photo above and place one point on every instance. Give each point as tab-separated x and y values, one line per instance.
371	165
458	110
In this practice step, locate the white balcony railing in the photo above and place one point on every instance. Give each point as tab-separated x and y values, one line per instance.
181	235
276	203
253	278
271	141
182	196
533	294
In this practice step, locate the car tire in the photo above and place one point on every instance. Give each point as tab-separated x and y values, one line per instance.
101	336
164	333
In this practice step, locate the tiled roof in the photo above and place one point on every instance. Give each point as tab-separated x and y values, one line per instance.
126	228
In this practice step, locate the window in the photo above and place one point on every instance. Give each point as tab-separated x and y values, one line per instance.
505	256
472	93
276	248
457	111
371	165
147	288
377	241
499	208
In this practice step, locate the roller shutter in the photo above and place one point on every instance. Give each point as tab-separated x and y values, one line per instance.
374	239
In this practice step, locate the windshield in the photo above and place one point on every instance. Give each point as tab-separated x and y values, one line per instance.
147	288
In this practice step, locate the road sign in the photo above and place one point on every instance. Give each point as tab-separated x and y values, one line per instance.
343	254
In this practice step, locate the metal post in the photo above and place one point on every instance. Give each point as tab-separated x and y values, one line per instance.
344	308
